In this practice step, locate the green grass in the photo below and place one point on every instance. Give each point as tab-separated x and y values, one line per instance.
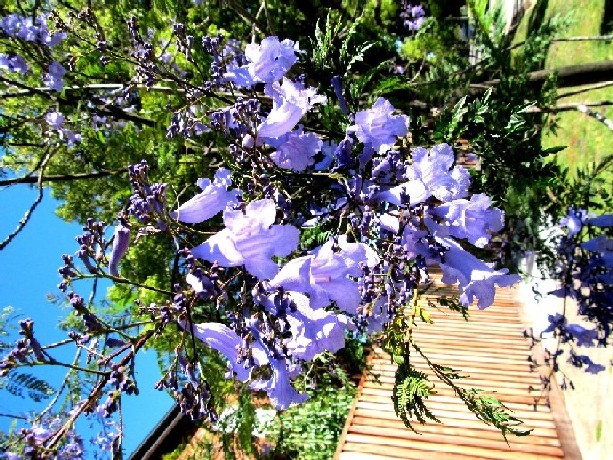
588	140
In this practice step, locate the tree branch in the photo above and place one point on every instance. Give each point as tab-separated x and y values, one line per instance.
567	107
604	84
583	108
572	75
62	177
26	217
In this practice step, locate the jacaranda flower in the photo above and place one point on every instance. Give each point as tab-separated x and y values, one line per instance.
215	197
250	239
324	275
377	127
290	102
296	150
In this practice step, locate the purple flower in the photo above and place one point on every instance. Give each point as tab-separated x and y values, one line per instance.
52	40
599	243
271	59
584	337
314	330
200	283
324	274
606	220
290	102
584	360
55	119
327	150
250	239
54	79
279	388
121	243
378	126
11	24
413	16
475	278
13	64
430	175
573	221
472	219
266	62
296	150
69	137
227	342
215	197
337	86
30	30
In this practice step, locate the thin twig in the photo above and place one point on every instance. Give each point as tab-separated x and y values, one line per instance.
567	107
28	179
26	217
604	84
64	384
584	38
94	394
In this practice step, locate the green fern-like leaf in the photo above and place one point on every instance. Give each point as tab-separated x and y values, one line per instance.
411	390
26	385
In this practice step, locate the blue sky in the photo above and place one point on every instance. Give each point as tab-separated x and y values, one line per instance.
28	269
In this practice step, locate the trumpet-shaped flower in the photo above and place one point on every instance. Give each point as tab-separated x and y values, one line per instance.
250	239
378	126
324	275
296	150
313	330
13	64
474	219
290	102
476	279
54	79
266	62
431	174
215	197
227	342
121	244
279	388
271	59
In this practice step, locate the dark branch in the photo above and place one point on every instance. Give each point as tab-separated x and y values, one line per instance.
61	177
26	217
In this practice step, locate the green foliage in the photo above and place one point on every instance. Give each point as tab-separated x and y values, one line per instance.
311	430
26	386
486	407
411	390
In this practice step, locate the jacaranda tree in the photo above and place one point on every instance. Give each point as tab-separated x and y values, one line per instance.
259	201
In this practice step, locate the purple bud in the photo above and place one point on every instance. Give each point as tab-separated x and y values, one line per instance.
120	246
337	84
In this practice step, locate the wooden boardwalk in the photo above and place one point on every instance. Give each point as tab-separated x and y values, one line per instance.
492	350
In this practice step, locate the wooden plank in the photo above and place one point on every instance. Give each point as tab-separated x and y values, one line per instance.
461	440
476	452
459	422
540	436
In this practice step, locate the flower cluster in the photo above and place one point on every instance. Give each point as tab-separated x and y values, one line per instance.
246	282
412	15
406	209
34	30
